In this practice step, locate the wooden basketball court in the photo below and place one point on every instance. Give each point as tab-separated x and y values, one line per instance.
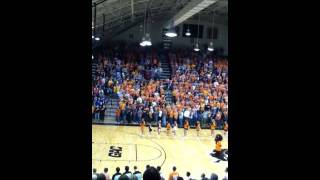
118	146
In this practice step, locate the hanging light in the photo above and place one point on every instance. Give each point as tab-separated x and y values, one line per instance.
92	57
97	38
196	47
188	32
171	31
92	36
147	41
210	48
143	42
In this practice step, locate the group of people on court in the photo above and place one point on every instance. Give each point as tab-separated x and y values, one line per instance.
174	127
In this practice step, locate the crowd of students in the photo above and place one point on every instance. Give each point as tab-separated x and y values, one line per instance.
134	79
151	173
199	86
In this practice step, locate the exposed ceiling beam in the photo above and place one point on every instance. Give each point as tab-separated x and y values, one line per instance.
192	8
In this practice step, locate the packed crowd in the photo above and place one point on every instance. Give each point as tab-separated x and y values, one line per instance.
199	87
151	173
134	80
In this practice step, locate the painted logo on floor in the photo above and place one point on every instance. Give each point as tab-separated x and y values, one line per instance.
115	151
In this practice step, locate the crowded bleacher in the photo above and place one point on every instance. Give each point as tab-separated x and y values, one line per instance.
199	86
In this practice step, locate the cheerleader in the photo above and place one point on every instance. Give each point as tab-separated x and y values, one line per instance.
142	125
212	127
174	129
150	129
168	126
186	127
159	127
198	127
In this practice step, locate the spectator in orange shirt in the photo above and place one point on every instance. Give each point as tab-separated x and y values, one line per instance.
173	175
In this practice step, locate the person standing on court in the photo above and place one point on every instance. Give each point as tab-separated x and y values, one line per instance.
94	174
198	128
161	174
173	175
106	174
127	172
186	127
117	174
137	173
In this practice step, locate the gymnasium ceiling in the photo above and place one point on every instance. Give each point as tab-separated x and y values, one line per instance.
119	15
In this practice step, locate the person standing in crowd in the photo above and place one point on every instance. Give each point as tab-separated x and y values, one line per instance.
129	115
97	112
139	114
102	113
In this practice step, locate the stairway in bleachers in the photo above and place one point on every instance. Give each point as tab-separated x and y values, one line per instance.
166	74
112	106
